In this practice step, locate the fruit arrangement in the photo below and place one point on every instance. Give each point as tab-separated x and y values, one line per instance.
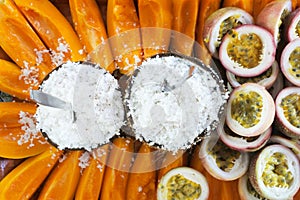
254	153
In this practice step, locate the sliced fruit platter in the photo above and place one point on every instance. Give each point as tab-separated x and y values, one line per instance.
252	48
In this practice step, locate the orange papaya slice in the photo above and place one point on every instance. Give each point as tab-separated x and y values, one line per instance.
246	5
10	113
258	5
141	183
21	43
157	15
26	178
90	182
63	180
54	29
91	30
117	169
185	14
16	143
11	81
126	48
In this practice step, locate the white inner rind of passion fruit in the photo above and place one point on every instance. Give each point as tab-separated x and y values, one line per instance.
294	109
193	185
262	46
269	162
210	157
220	22
289	62
236	118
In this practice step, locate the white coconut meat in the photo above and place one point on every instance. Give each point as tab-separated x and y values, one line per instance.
194	180
173	118
96	100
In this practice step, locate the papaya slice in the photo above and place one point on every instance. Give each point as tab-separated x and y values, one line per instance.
10	82
157	15
258	5
172	161
142	179
21	43
7	165
90	182
206	9
63	180
185	14
10	113
3	55
54	29
126	47
117	169
246	5
90	27
26	178
16	143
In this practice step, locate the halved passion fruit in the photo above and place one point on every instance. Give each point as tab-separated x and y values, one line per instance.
271	17
274	172
240	143
183	183
221	161
246	190
291	144
266	79
277	86
288	111
250	110
247	51
289	62
292	29
219	23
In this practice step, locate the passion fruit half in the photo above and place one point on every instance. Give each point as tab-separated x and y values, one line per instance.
272	16
250	110
246	190
266	79
289	62
294	145
219	23
247	51
292	29
288	111
274	172
240	143
221	161
183	183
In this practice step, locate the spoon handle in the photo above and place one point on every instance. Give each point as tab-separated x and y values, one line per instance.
49	100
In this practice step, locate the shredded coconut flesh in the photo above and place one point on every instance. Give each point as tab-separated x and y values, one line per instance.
96	100
173	118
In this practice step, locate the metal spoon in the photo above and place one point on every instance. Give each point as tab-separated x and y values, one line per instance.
51	101
167	88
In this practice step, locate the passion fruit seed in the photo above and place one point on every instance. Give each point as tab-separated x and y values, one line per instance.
254	79
298	29
284	14
276	173
224	156
294	62
252	191
246	49
291	109
246	108
180	187
228	24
